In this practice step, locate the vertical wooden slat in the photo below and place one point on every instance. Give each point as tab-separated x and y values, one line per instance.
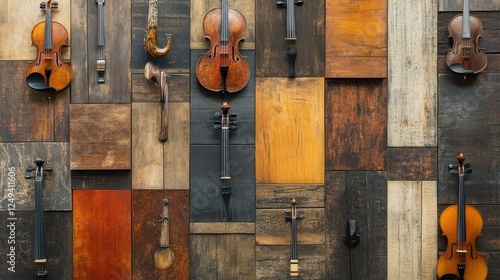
412	108
79	45
429	225
176	149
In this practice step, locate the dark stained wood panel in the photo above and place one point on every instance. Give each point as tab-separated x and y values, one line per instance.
356	124
356	39
100	136
272	196
412	164
102	234
271	47
101	179
147	205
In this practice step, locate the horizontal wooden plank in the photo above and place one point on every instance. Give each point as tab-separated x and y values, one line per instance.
144	90
457	5
222	228
279	196
412	164
355	67
101	179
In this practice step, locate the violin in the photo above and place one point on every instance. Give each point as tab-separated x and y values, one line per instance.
49	72
225	122
465	56
292	215
290	33
461	224
223	69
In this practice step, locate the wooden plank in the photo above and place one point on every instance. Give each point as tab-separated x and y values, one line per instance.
200	8
79	45
147	205
362	25
279	196
457	5
144	90
226	256
412	164
271	46
101	179
101	232
412	77
222	228
100	136
429	225
16	157
356	124
289	117
19	43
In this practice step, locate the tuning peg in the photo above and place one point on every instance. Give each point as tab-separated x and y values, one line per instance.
299	2
55	5
451	166
232	115
48	169
30	168
281	3
453	172
43	5
217	126
468	170
27	176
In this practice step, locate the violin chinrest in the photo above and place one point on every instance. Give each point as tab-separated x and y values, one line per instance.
36	81
449	277
458	68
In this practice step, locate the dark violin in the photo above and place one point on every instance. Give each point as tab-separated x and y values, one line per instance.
292	215
224	123
461	224
49	72
291	38
465	56
223	69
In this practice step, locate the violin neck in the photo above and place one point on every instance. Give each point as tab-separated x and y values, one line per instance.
224	36
100	24
290	20
461	210
48	29
39	224
466	21
294	259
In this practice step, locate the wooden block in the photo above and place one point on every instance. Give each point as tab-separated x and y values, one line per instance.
289	129
362	51
100	136
200	8
280	196
271	46
226	256
457	5
101	234
412	77
413	164
147	205
356	124
101	179
222	228
16	157
144	90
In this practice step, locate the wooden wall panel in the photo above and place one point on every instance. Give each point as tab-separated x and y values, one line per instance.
356	39
290	117
412	39
412	164
356	124
101	179
100	136
457	5
279	196
102	234
16	157
147	205
271	47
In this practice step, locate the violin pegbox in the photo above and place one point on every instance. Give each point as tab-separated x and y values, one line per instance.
225	119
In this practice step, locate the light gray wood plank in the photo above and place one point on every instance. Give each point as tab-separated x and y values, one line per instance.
457	5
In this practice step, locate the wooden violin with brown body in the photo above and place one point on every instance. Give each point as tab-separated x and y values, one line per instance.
461	224
49	72
465	56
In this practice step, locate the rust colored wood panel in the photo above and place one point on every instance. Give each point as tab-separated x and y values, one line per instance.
100	136
356	124
144	90
271	46
19	20
222	256
102	234
147	206
412	164
280	196
289	129
16	157
356	30
200	8
29	115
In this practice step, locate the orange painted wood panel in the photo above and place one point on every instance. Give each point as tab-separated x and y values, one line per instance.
102	234
356	39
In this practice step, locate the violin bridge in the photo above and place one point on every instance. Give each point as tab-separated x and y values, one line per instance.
461	251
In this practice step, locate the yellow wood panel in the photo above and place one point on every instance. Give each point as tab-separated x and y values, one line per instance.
289	127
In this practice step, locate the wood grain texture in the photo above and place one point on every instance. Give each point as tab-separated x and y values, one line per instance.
29	115
144	90
457	5
412	53
16	157
222	228
100	136
412	164
279	196
289	127
356	39
356	124
271	47
200	8
147	205
102	234
79	45
411	229
222	256
101	179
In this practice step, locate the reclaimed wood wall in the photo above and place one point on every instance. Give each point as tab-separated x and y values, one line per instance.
365	132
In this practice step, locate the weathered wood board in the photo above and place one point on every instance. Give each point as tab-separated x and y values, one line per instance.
411	229
144	90
412	77
271	46
100	136
29	115
101	179
356	124
412	164
289	116
58	228
359	196
279	196
222	256
356	39
147	205
156	164
200	8
457	5
18	20
16	157
102	234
